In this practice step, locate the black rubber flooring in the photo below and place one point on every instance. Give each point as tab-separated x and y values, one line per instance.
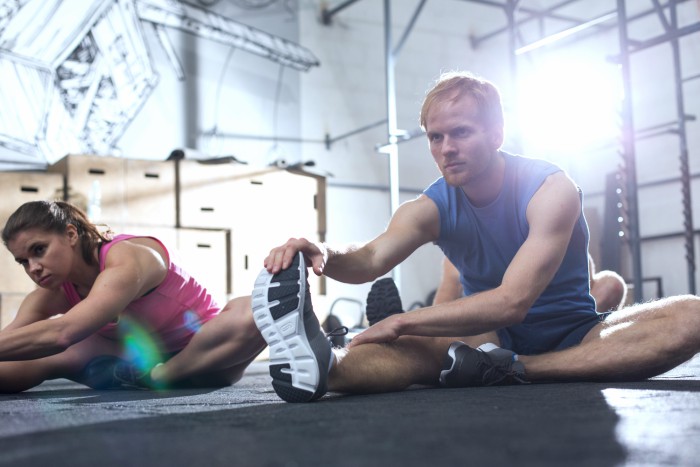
654	422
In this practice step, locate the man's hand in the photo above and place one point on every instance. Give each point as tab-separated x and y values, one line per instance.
387	330
282	256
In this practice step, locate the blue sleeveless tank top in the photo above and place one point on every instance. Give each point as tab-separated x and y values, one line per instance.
482	241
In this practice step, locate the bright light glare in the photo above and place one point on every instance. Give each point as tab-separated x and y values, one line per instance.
568	107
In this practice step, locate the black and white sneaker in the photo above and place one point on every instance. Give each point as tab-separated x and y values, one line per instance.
300	354
487	365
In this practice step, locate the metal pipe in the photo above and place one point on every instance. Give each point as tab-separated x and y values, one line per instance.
659	9
534	14
566	33
476	41
513	63
286	139
392	130
629	152
328	13
684	164
409	28
362	129
675	34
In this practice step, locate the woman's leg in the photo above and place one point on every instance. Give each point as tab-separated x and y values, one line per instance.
22	375
218	353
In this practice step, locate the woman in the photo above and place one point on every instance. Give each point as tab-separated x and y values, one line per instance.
108	311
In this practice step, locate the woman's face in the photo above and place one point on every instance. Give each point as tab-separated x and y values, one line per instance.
47	257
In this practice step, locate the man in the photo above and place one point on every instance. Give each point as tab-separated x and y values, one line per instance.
514	229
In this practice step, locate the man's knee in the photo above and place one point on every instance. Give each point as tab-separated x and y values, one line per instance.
677	318
686	310
609	290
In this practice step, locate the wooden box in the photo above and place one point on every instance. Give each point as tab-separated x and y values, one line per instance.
212	196
96	184
204	254
150	192
17	188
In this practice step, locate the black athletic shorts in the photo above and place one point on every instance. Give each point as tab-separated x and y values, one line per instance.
545	332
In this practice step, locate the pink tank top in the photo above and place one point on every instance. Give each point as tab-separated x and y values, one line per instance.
170	314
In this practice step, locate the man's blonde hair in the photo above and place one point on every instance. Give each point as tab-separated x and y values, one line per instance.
453	85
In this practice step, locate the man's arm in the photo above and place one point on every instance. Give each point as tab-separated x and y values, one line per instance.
413	224
552	214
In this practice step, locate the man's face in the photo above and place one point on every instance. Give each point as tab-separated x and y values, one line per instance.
463	148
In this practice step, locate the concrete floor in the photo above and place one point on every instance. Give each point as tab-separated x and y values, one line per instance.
654	422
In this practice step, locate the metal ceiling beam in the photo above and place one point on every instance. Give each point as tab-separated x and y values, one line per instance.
328	13
669	36
203	23
534	14
409	28
566	33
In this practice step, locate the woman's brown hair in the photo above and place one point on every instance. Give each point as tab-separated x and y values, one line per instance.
55	216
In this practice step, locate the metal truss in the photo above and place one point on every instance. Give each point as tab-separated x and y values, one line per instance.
517	15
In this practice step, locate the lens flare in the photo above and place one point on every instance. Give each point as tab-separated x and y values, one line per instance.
192	322
568	106
141	347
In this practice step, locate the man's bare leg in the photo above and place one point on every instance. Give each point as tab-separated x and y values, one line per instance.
634	343
374	368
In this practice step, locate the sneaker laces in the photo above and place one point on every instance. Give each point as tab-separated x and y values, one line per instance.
339	331
129	375
495	372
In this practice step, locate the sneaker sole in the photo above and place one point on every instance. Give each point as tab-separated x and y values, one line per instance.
278	311
383	301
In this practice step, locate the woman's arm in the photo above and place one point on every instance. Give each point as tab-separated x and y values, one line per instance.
38	305
130	271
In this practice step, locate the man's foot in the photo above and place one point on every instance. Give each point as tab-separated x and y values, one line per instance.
383	300
487	365
300	354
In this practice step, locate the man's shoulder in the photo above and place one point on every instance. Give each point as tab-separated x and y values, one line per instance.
437	183
531	163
